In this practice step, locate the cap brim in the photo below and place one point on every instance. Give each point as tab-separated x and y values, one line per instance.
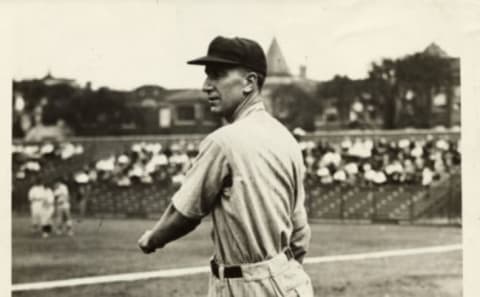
211	60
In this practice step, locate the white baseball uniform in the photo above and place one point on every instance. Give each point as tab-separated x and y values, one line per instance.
249	176
35	196
62	200
48	206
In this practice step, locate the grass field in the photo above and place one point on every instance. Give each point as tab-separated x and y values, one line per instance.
102	247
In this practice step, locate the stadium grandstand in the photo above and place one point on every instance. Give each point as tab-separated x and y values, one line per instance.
381	176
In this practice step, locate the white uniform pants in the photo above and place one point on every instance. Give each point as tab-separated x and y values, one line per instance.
275	277
46	215
36	209
63	217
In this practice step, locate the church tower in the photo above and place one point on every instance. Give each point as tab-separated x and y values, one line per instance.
277	66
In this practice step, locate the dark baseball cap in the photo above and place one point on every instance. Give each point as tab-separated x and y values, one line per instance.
234	51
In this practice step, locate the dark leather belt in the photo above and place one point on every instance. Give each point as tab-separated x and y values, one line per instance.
235	271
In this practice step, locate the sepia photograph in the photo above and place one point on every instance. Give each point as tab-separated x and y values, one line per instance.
221	148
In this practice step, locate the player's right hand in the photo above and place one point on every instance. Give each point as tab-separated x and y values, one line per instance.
145	243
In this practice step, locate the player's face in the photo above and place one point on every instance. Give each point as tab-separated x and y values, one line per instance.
224	87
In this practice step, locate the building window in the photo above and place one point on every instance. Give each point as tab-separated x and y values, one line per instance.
164	117
185	113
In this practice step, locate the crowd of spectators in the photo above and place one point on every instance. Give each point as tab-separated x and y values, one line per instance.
354	161
142	163
377	162
33	159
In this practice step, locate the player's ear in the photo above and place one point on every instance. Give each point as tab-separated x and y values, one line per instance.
251	79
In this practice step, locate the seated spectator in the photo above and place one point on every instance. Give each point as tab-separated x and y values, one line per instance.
159	159
340	176
404	144
427	176
47	150
178	178
31	166
331	157
106	167
379	177
32	152
325	177
409	171
369	174
81	177
68	150
123	181
351	168
136	171
123	159
394	171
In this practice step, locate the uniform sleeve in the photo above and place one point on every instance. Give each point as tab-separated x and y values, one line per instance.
300	239
203	182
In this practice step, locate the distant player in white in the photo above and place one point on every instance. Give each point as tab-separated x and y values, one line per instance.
63	218
47	210
35	196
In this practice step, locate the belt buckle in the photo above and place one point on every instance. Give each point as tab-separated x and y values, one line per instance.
217	270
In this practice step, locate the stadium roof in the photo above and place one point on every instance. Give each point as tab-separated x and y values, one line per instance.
185	94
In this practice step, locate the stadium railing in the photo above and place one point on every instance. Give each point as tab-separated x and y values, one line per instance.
439	202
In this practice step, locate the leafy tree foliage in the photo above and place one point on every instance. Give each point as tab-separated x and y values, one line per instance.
294	106
422	75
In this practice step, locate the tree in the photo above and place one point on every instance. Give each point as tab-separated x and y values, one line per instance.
294	107
384	83
343	91
424	74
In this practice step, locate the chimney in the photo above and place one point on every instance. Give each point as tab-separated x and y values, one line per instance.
303	71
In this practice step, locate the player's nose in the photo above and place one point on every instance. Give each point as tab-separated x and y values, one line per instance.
207	86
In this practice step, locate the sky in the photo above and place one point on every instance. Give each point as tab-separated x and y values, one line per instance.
128	44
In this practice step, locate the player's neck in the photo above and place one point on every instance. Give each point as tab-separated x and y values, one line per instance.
251	99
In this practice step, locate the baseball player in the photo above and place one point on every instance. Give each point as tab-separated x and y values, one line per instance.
63	217
35	197
47	210
249	176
